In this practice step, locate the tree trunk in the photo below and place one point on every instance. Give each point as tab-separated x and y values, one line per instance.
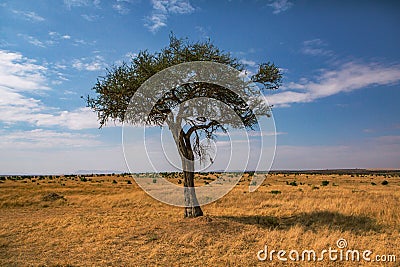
192	206
182	141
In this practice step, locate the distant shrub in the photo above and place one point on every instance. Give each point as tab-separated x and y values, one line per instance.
83	179
114	182
315	187
152	237
325	183
385	182
129	182
205	182
154	180
373	183
293	183
275	192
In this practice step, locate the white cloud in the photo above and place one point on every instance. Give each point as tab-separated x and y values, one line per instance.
78	42
90	18
20	75
179	7
315	47
89	64
28	15
121	6
357	155
33	40
155	22
162	9
249	134
58	36
40	138
54	38
250	63
62	161
81	3
131	54
82	118
16	108
69	92
121	9
202	32
280	5
76	3
388	139
348	77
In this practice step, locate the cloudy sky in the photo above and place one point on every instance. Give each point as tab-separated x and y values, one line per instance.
338	106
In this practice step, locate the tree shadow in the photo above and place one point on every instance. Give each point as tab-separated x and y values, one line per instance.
312	221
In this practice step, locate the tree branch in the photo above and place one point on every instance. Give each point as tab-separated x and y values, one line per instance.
200	127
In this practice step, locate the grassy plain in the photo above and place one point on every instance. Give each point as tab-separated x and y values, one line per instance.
99	222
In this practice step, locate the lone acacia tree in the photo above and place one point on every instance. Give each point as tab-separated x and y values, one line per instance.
115	90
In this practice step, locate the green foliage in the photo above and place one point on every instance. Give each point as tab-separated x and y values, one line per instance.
116	88
324	183
385	182
250	174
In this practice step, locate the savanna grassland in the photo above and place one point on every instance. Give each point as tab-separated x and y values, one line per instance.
110	221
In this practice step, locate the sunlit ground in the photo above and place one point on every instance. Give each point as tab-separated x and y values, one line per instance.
99	222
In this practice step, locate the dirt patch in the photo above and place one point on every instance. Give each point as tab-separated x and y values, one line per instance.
53	197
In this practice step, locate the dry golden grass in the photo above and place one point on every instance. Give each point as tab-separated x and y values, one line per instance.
99	223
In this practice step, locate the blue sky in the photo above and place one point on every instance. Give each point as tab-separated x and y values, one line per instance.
337	108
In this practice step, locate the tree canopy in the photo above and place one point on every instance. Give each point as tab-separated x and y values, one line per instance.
116	88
